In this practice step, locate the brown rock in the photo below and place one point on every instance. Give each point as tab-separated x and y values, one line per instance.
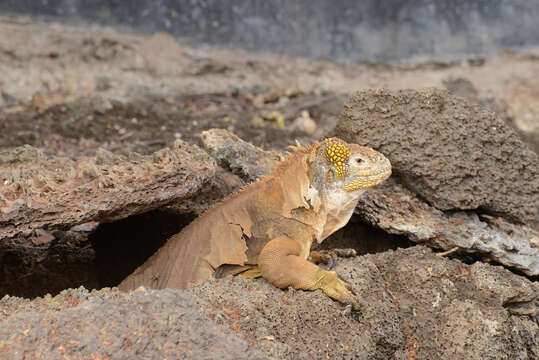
36	191
415	304
141	324
50	206
163	55
522	99
222	184
452	154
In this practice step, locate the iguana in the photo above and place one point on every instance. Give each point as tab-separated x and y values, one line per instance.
268	227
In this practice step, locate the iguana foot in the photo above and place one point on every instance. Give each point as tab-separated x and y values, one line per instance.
329	257
335	288
280	264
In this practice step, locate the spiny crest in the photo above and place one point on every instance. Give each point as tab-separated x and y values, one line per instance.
300	149
337	154
297	150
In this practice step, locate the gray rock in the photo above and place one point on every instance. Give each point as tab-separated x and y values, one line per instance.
397	210
414	305
242	158
452	310
113	325
454	155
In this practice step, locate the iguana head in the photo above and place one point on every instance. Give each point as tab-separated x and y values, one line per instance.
351	166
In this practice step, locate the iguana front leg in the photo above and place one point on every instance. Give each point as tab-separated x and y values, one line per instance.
281	265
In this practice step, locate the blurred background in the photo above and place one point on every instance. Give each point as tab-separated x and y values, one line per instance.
341	30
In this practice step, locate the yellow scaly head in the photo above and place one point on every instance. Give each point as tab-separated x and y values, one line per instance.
355	167
337	154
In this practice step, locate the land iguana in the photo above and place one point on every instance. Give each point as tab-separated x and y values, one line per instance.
268	227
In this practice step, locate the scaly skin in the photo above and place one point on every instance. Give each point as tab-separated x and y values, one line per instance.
267	228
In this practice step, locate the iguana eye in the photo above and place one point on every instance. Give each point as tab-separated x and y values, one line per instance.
359	160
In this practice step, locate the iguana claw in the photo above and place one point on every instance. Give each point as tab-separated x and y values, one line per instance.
335	288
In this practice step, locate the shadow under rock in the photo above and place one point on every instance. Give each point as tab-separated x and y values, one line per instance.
120	247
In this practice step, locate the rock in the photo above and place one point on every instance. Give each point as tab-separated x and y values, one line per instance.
522	99
397	210
54	192
461	87
523	105
50	206
240	162
163	55
304	123
455	310
454	155
222	184
147	324
242	158
414	305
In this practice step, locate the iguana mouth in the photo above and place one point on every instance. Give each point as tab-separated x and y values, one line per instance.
371	178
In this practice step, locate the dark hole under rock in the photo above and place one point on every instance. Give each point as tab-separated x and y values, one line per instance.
363	238
122	246
30	271
96	260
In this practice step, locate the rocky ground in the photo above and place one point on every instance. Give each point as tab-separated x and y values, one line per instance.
104	153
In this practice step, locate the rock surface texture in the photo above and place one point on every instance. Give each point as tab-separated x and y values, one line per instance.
108	324
454	164
242	158
397	210
50	205
455	155
36	191
416	305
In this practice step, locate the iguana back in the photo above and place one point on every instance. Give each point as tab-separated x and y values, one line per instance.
232	232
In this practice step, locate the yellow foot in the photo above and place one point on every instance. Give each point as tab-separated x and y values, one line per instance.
335	288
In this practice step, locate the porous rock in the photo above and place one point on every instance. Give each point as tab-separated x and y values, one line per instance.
455	155
107	324
49	207
414	305
52	192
